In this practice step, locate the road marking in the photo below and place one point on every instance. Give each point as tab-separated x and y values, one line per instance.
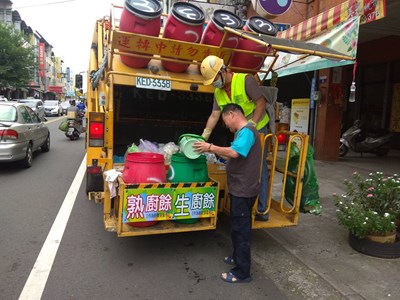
37	279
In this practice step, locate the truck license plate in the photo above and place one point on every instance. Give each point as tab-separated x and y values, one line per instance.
153	83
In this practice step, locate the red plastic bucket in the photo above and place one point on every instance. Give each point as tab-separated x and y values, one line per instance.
214	31
185	23
144	167
142	17
253	61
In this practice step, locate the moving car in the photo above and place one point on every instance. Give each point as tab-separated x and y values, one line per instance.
65	105
52	108
21	133
36	105
2	98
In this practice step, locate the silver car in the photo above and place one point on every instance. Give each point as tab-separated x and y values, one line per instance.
36	105
21	133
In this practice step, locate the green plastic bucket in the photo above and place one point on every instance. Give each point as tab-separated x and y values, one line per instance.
183	169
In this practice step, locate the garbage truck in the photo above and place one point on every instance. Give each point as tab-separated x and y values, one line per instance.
144	86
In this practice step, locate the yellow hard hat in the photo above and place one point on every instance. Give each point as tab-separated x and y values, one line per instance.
210	66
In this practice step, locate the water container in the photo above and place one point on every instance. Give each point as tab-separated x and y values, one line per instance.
185	23
144	167
142	17
252	61
214	31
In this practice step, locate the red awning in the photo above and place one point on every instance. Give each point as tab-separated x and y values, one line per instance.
55	89
369	10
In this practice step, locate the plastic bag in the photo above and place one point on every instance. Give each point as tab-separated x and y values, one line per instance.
131	149
168	150
310	201
147	146
63	125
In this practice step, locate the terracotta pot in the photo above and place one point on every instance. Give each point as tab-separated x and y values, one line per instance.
378	237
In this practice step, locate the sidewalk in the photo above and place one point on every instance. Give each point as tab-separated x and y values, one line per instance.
321	264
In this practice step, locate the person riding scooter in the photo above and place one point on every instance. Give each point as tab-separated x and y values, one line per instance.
74	121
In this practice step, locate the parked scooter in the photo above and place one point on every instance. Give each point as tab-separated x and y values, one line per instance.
75	127
356	140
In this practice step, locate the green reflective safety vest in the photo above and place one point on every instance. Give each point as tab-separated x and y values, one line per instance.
239	96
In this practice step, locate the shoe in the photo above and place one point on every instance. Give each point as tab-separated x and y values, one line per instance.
262	217
229	277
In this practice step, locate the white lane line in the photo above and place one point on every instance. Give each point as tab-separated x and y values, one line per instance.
37	279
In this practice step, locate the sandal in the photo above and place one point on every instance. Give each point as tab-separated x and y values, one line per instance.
229	277
229	260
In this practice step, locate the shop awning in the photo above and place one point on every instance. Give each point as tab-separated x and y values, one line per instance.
336	47
55	89
368	10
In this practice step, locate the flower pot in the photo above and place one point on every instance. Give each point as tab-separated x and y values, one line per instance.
382	250
378	237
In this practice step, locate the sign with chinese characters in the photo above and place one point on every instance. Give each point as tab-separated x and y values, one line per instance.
128	42
300	115
41	59
160	203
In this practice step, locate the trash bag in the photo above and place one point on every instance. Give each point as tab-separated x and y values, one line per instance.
63	125
309	201
131	149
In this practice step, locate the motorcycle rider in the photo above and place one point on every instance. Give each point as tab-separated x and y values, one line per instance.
73	112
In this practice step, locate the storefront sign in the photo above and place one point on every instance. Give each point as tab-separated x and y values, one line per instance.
161	204
300	115
368	10
41	59
271	8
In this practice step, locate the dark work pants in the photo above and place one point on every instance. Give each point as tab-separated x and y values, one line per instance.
241	234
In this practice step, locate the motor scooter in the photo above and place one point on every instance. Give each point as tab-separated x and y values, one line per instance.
356	140
75	127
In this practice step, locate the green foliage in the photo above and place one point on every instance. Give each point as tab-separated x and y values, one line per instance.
370	205
17	58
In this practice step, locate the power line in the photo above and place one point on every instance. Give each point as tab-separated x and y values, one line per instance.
45	4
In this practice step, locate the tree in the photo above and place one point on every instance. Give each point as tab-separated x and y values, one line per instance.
17	58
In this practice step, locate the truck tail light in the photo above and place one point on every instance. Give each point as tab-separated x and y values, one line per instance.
8	134
282	141
96	129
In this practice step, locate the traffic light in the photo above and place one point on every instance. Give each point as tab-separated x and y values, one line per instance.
78	81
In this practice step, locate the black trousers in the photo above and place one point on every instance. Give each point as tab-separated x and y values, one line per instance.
241	234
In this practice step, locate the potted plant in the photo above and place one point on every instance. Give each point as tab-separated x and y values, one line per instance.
370	207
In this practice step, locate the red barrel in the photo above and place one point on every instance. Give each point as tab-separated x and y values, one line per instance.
142	17
214	31
185	23
252	61
144	167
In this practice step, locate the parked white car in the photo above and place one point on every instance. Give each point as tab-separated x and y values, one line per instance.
52	108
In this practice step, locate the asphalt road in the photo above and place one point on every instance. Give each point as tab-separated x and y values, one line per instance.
94	264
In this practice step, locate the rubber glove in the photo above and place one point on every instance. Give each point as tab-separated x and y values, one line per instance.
206	133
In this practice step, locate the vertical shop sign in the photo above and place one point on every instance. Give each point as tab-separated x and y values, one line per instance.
395	113
300	115
41	59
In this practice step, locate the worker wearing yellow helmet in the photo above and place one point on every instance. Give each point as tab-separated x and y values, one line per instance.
241	89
